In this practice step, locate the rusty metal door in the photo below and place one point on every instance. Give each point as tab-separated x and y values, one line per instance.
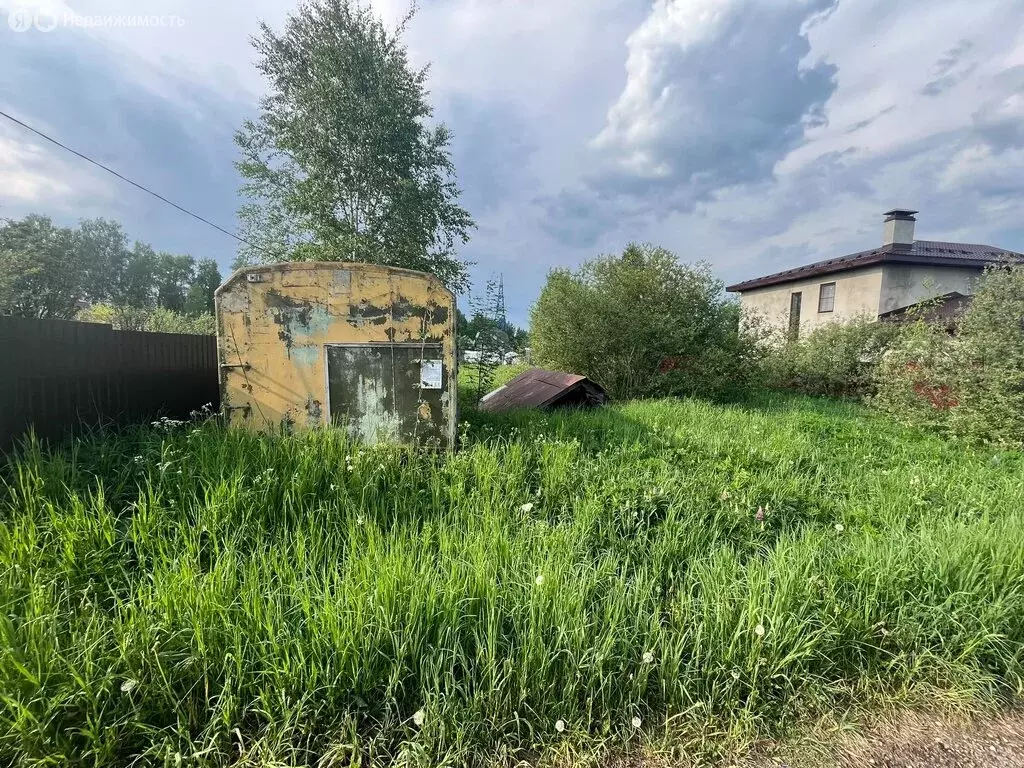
389	392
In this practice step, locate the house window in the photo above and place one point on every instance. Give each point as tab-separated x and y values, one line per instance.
827	297
794	315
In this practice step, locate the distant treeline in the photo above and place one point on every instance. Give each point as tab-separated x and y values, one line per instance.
91	272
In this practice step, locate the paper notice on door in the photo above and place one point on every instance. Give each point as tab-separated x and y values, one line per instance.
430	374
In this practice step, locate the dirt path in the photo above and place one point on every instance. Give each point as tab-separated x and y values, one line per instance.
915	741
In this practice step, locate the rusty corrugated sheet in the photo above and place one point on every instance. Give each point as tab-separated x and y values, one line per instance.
541	388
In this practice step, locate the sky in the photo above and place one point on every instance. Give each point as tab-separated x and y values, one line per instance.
756	135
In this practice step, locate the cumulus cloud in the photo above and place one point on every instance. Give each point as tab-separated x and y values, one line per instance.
716	92
757	134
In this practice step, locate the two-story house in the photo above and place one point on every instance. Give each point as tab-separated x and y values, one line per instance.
880	283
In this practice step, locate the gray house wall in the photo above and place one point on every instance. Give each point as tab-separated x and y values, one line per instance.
906	284
867	292
857	294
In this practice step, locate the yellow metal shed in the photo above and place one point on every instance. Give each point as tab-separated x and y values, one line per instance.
369	347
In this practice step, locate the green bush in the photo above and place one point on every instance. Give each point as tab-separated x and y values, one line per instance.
642	324
836	360
970	385
159	320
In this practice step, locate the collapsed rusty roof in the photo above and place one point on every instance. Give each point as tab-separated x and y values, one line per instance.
541	388
925	252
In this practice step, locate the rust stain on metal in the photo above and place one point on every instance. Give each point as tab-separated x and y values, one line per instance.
541	388
314	411
282	321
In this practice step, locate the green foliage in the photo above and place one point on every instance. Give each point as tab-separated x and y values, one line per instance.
642	324
835	360
969	385
158	320
243	600
204	282
52	271
43	270
341	165
470	330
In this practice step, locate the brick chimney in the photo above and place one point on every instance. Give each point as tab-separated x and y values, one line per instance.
899	227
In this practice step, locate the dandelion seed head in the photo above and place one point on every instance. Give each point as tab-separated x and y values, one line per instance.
637	722
539	580
419	717
759	630
648	657
526	508
840	528
559	725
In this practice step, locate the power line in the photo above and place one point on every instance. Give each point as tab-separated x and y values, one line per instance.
135	184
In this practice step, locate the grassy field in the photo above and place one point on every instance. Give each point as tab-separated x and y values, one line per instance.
565	584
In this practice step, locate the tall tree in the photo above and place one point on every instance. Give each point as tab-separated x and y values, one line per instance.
200	293
43	269
341	165
104	254
173	276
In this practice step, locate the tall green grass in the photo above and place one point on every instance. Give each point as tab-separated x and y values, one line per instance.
189	596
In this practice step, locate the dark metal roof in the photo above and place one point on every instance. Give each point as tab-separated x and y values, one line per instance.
945	307
541	388
900	213
925	252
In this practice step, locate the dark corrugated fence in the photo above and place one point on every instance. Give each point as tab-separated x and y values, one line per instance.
57	374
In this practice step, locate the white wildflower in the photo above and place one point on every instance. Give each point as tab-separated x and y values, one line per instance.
637	722
129	685
559	725
648	657
526	508
759	630
418	717
334	487
840	528
735	674
360	520
539	580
